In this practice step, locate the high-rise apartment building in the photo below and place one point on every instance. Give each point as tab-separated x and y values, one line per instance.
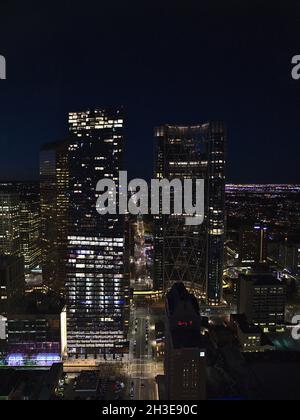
192	254
54	184
96	282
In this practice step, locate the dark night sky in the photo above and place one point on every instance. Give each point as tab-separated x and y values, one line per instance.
180	61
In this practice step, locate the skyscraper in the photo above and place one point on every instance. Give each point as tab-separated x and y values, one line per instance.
262	298
186	348
192	254
96	283
30	224
253	245
12	282
10	241
20	222
54	184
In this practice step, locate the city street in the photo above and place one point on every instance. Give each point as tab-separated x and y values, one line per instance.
142	367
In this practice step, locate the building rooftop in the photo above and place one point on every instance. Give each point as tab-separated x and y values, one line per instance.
39	304
262	280
7	382
88	382
33	384
54	145
244	325
7	260
276	375
179	294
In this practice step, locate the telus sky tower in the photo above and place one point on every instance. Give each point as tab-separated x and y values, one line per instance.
96	283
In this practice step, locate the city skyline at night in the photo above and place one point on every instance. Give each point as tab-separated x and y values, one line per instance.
149	203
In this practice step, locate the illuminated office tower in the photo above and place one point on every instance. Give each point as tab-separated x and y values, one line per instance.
54	184
192	254
253	245
10	242
30	224
262	298
96	283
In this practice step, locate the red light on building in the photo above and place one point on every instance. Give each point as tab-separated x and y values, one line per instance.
185	323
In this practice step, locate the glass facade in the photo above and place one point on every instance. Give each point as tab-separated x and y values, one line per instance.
96	280
30	225
10	241
192	254
54	184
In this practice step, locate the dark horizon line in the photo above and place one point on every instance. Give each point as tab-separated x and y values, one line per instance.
229	183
